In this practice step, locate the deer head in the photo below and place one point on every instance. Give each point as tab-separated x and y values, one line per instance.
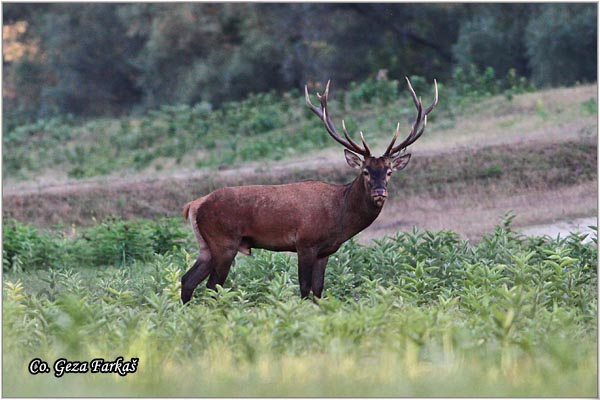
375	171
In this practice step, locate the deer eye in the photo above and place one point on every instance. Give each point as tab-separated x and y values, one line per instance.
389	172
365	172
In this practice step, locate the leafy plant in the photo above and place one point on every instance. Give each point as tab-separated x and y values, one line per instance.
427	306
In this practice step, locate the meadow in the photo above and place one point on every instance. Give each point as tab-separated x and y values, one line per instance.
415	314
264	126
92	266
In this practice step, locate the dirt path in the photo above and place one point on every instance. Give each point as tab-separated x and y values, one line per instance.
564	228
468	192
476	213
465	177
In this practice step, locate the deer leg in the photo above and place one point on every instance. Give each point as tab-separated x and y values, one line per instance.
306	261
318	276
192	278
221	267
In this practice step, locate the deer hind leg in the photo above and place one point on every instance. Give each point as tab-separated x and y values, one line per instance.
203	265
221	265
194	276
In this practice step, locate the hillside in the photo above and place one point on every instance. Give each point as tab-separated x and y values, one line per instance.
535	154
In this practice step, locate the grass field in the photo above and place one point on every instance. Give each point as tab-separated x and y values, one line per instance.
417	314
534	153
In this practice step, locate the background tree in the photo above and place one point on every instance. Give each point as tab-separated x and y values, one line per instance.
107	59
562	46
493	35
87	61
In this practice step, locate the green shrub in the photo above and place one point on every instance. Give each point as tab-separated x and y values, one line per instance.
563	53
113	242
471	84
427	306
24	247
371	91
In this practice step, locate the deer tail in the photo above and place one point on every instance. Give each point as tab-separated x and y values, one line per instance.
190	211
186	210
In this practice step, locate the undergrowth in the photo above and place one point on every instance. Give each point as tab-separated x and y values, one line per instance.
263	126
416	314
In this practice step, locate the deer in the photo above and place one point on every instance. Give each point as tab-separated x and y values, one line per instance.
311	218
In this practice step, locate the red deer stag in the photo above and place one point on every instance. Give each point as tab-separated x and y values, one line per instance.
310	218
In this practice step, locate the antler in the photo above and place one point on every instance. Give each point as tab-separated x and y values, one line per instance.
415	133
323	114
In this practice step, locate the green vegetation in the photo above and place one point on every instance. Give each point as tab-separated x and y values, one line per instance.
112	242
107	60
98	89
263	126
418	314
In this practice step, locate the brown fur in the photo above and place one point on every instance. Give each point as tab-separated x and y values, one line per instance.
186	210
311	218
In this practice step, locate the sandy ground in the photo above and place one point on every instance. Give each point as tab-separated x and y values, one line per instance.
564	228
471	213
474	214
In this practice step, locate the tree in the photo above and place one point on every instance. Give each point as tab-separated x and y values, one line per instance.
562	44
494	36
106	58
88	61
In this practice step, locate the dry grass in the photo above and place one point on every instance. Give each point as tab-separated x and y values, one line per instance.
494	121
467	192
476	212
536	156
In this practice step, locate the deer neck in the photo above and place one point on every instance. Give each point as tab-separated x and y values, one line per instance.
359	211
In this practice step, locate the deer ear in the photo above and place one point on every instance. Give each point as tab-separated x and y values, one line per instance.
400	162
352	159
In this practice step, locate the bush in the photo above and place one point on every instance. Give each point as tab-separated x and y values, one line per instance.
426	306
371	91
470	83
24	247
113	242
562	44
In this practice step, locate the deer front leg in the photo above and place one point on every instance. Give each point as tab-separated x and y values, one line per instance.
306	262
318	277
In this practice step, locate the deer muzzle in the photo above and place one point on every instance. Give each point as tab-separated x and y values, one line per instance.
379	195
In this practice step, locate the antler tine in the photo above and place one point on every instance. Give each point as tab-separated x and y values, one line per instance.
364	142
323	114
323	98
435	99
310	105
415	132
418	135
412	92
352	142
391	145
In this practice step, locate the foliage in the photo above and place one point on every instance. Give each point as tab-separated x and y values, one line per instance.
494	37
549	44
511	312
561	53
114	59
262	126
24	246
470	84
112	242
371	91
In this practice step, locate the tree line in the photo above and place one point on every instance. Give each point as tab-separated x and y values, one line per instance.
106	59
